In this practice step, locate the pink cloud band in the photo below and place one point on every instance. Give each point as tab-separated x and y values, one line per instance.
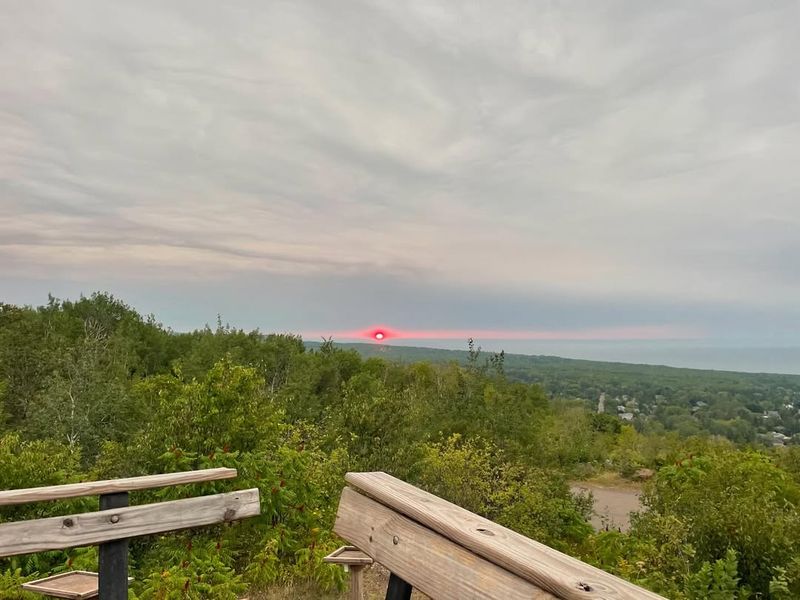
639	332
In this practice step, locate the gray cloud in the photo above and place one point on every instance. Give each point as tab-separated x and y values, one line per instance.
567	156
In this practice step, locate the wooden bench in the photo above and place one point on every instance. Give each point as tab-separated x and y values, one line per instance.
449	553
115	523
354	561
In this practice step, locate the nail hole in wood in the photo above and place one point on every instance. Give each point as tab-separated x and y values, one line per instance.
585	587
484	531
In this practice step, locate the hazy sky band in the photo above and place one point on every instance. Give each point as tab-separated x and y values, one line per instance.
315	166
603	334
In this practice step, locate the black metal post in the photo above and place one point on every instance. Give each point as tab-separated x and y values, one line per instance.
398	589
113	564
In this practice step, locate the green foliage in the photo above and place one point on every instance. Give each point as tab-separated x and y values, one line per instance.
11	581
727	501
202	573
3	412
686	401
225	409
90	389
32	463
475	475
227	420
717	581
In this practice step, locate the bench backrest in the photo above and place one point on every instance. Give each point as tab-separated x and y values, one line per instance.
122	522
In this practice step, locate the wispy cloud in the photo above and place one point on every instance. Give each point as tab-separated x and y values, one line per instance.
622	152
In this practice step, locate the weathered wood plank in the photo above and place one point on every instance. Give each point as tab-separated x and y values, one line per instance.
357	582
558	573
128	484
87	529
429	562
348	555
74	585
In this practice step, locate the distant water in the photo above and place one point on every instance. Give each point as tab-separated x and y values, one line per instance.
754	360
672	354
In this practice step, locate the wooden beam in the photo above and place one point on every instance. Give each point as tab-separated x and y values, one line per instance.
562	575
88	529
128	484
426	560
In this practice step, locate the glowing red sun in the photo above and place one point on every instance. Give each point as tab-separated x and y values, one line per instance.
378	334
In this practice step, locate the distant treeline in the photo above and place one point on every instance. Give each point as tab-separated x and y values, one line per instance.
744	407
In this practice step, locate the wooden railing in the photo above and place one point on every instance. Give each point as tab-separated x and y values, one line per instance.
450	553
116	522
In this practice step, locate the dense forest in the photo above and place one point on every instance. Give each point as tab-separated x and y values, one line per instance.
91	389
744	407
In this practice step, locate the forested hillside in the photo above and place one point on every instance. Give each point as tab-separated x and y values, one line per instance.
744	407
91	389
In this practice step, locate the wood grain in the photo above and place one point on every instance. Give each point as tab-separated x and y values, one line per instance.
88	529
357	582
75	585
431	563
348	555
565	577
128	484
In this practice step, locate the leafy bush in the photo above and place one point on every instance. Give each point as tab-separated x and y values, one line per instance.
475	475
726	501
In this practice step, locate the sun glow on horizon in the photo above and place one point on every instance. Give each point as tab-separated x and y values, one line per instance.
641	332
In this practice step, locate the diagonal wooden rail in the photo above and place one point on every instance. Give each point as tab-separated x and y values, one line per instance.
448	552
425	559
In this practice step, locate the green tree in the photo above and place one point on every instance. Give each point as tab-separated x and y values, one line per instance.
728	500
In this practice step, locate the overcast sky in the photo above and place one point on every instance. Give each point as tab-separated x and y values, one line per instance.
324	166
